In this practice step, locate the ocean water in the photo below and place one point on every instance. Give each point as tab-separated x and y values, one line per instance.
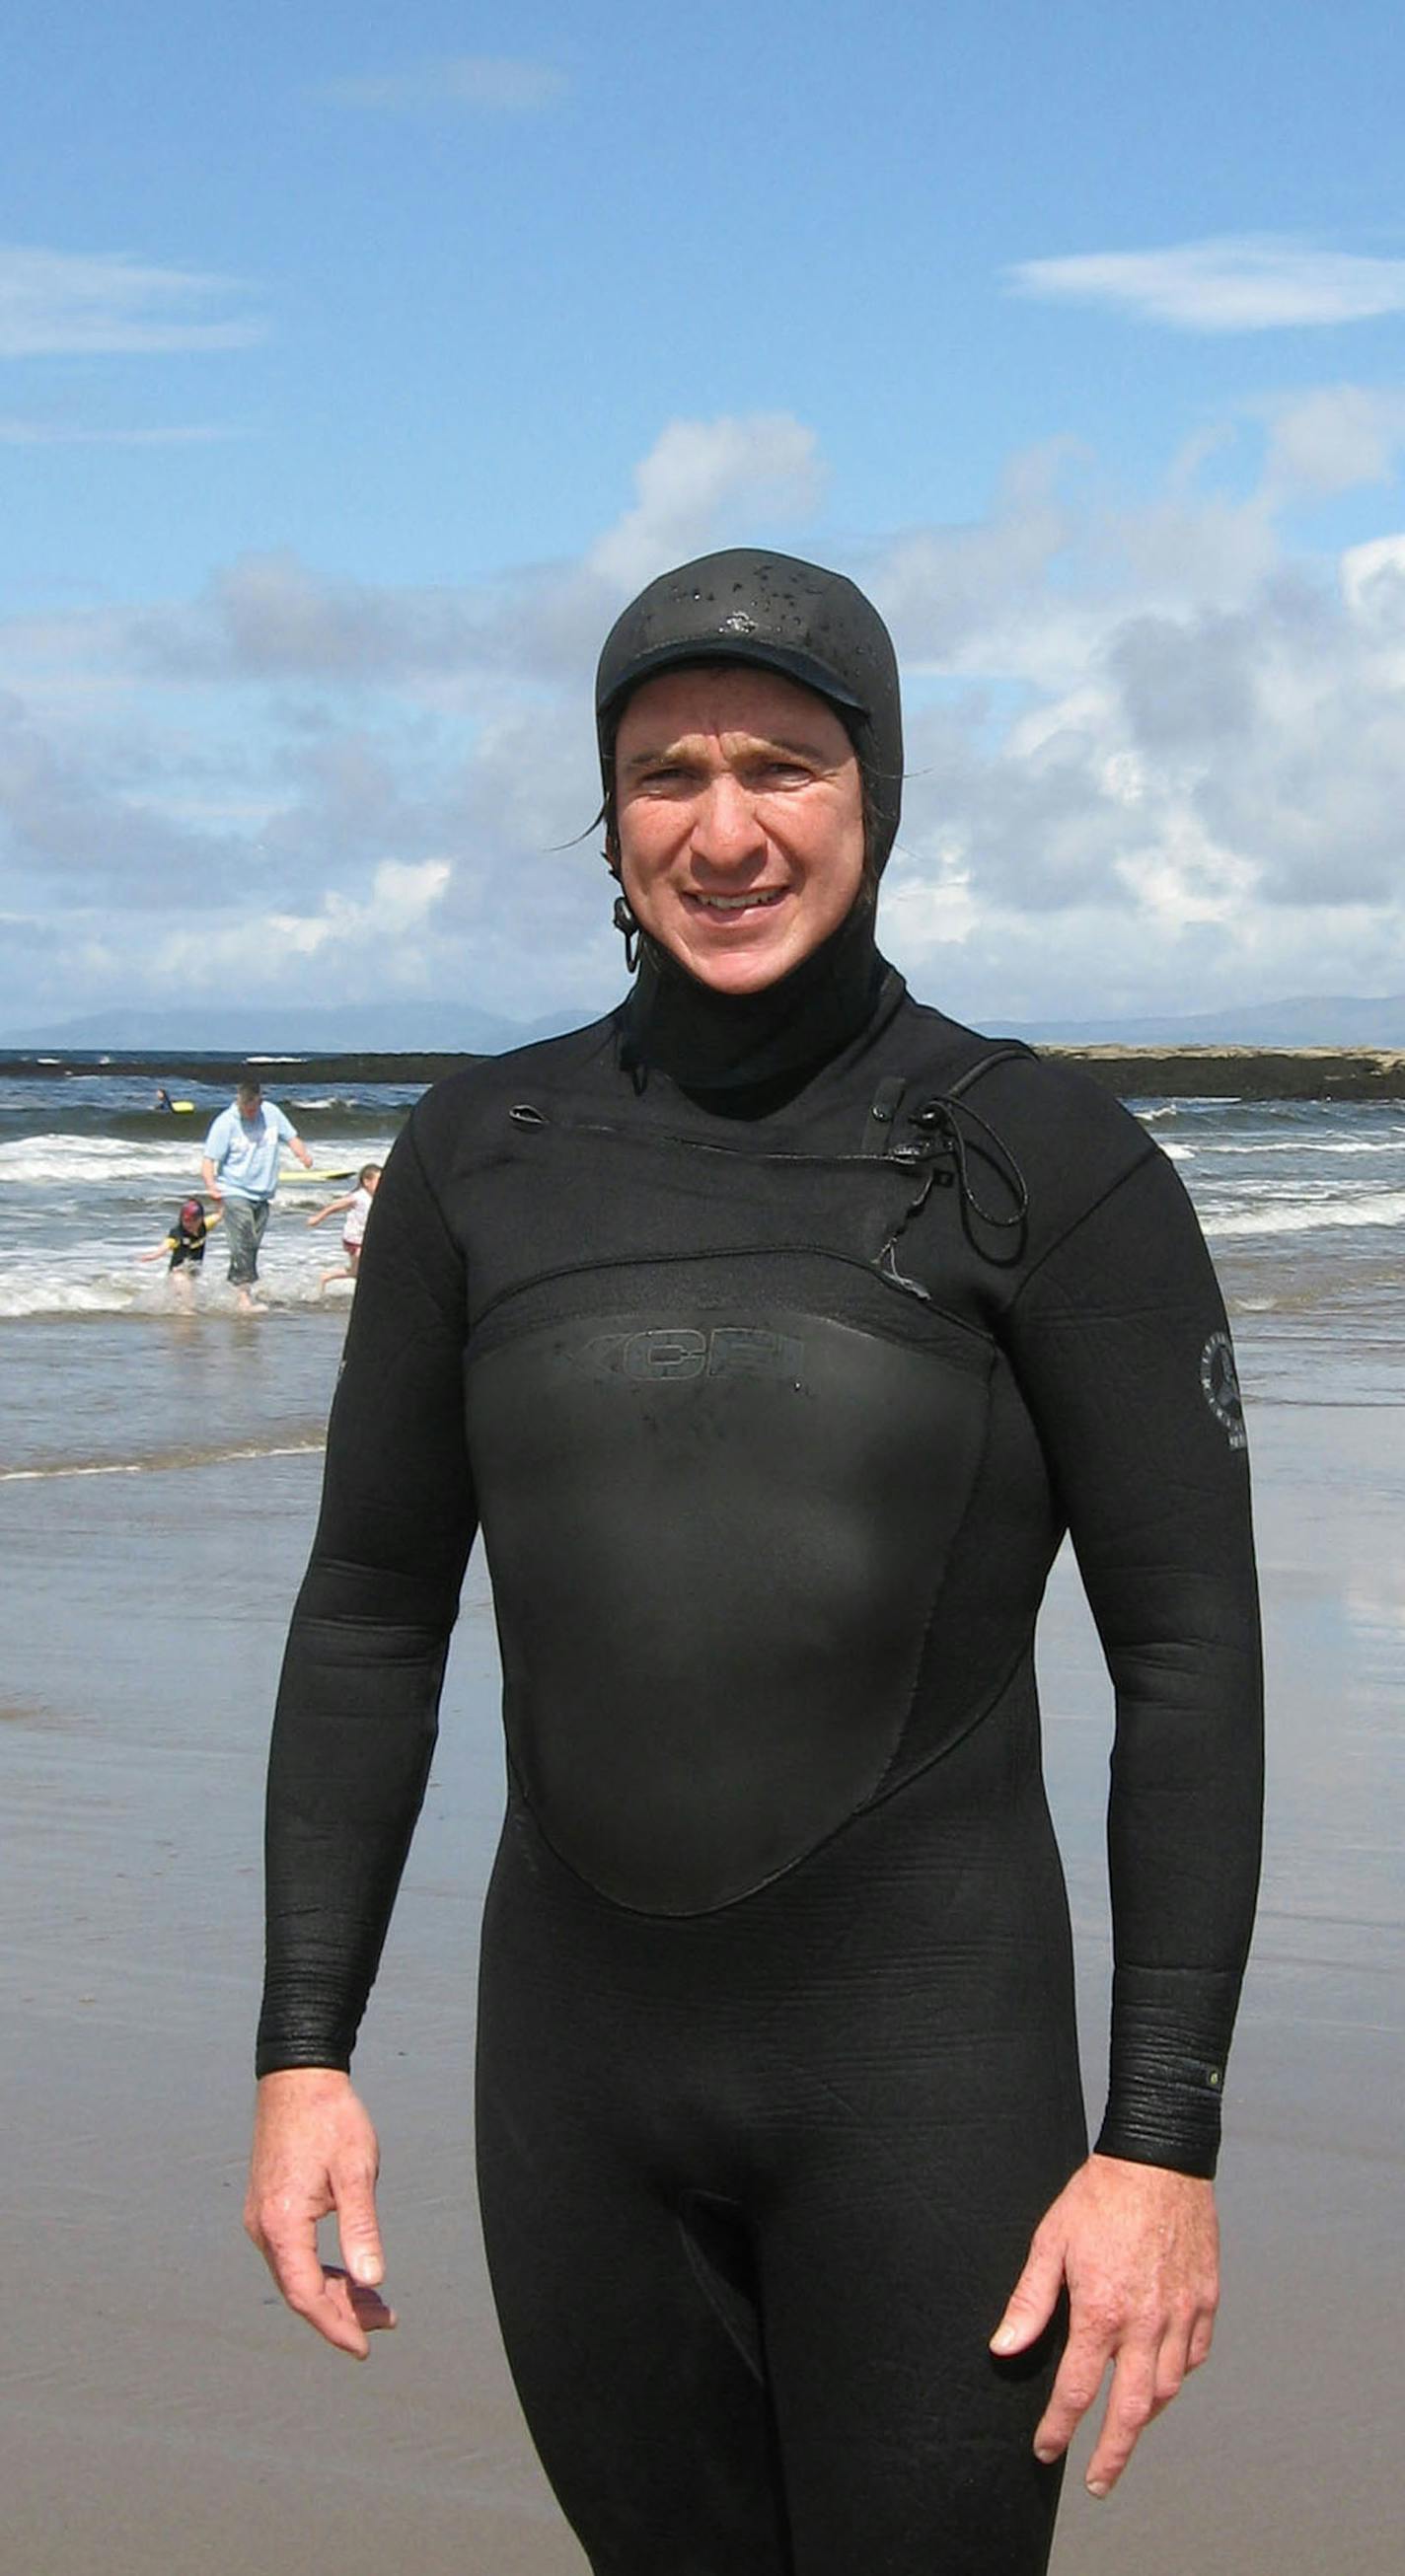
1303	1207
102	1372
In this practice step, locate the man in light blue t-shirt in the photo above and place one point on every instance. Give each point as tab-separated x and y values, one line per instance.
240	1169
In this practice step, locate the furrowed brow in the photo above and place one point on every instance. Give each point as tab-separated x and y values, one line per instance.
792	748
758	747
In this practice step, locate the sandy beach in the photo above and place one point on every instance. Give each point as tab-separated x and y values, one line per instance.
161	2413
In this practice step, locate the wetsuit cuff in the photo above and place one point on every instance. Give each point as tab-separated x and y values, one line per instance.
1170	2039
1153	2129
303	2039
275	2056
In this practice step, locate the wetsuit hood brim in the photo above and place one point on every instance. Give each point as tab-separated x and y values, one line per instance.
792	662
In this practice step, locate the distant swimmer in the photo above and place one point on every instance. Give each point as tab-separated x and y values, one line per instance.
357	1206
185	1245
240	1169
173	1108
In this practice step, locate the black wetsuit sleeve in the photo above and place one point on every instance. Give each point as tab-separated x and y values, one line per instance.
1114	1338
358	1702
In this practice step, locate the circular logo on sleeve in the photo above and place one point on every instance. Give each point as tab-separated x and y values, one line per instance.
1220	1381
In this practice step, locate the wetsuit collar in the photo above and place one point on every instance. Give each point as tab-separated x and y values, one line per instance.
708	1041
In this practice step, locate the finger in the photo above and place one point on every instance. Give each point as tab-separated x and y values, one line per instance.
1202	2335
335	2318
1172	2363
1130	2407
343	2314
321	2297
1076	2384
371	2310
357	2228
1031	2302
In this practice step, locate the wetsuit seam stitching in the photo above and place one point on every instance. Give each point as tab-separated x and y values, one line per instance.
892	1788
361	1569
455	1320
1082	1218
929	1623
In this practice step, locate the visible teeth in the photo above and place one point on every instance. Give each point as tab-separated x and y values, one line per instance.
736	902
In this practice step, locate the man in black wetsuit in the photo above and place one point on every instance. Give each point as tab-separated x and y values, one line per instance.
774	1329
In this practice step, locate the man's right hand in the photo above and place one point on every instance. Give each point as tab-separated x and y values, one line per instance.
315	2152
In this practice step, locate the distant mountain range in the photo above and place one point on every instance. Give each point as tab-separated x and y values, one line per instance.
448	1028
1308	1020
375	1028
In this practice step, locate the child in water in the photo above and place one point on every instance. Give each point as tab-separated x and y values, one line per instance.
186	1246
357	1204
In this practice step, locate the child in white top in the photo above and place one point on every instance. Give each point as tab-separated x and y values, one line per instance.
357	1207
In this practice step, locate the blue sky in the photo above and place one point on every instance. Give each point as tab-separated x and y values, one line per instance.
355	368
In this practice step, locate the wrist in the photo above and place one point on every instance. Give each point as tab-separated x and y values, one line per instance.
310	2083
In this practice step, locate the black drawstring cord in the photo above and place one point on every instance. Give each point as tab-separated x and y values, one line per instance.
887	1264
631	1061
628	929
939	1121
939	1116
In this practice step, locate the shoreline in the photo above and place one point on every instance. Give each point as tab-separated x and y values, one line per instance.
1174	1072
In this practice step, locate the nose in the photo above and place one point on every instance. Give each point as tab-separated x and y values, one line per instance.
727	831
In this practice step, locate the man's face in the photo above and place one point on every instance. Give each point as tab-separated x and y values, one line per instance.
740	817
250	1103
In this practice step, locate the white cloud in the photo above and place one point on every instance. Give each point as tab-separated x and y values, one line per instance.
762	466
950	593
63	304
74	817
272	616
402	896
1373	586
36	433
925	914
1248	282
347	935
1154	758
496	83
1338	438
1090	960
1184	880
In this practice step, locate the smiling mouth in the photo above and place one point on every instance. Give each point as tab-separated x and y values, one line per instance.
761	901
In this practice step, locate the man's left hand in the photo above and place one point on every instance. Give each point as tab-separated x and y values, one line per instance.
1138	2246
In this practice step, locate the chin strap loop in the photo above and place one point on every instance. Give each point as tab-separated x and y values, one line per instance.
628	929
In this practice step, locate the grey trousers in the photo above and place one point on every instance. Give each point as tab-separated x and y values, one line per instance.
244	1222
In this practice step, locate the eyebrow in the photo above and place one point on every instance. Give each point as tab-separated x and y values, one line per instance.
673	750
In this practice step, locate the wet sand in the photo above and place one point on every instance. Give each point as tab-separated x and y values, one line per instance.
163	2417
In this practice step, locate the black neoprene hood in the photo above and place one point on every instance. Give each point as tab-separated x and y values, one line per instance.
813	626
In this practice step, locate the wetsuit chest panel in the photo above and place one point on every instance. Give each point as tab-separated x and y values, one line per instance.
716	1536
